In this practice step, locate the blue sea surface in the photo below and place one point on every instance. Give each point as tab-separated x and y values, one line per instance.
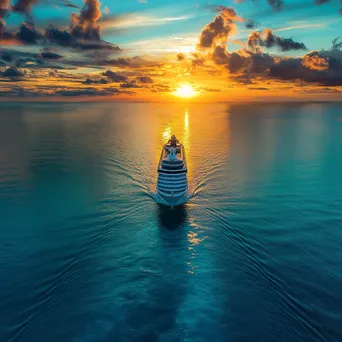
86	255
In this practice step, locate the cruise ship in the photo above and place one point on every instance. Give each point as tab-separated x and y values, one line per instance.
172	186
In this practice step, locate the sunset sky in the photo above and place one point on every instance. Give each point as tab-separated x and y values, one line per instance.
152	50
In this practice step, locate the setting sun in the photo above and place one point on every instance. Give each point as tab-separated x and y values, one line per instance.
185	91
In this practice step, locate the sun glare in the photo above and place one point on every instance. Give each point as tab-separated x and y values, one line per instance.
185	91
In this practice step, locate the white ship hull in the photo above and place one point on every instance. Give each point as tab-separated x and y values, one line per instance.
173	201
172	186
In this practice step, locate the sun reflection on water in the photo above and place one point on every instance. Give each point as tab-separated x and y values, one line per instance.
167	133
194	242
186	120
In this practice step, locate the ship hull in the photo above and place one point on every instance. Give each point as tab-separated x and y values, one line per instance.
173	201
172	186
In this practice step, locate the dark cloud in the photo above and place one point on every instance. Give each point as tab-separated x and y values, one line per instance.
67	39
27	62
87	92
84	32
220	55
321	2
218	30
7	57
268	39
285	44
12	72
47	54
320	68
27	34
129	84
99	81
98	45
85	24
294	69
276	5
237	63
248	65
145	79
119	62
260	63
250	24
114	77
319	90
60	37
180	57
47	92
254	40
336	44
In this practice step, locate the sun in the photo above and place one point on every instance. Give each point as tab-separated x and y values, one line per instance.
186	91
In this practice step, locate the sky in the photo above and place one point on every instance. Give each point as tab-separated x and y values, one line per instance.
152	50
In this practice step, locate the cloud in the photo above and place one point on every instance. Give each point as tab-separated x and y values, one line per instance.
314	61
129	84
284	44
180	57
60	37
67	39
276	5
336	44
85	25
26	91
12	72
217	31
27	34
268	39
84	32
312	68
99	81
47	54
161	88
87	92
145	79
321	2
322	68
250	24
114	77
79	46
7	57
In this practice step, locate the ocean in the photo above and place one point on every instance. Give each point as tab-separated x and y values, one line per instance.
87	255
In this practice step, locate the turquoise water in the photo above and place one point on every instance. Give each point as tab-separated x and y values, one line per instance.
86	254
